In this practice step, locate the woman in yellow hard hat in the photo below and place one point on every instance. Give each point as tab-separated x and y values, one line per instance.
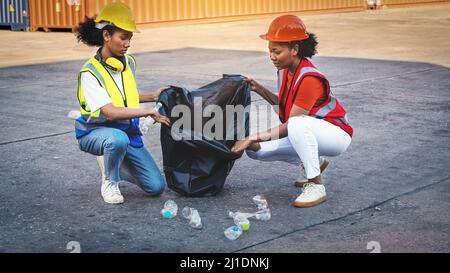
109	105
313	122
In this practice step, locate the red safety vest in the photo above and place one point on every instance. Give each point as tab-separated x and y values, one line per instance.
331	110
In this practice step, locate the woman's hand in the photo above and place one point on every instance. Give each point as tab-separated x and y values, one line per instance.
160	118
255	86
240	145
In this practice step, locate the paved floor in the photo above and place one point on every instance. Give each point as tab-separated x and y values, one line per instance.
391	186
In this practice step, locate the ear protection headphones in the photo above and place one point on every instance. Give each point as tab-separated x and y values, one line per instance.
117	65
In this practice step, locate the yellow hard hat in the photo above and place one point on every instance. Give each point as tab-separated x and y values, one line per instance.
118	14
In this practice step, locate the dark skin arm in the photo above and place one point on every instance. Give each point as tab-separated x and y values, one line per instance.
119	113
148	97
280	131
269	96
252	142
151	97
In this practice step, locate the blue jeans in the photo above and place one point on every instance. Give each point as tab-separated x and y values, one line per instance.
123	161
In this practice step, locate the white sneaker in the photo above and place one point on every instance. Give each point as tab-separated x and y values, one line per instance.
110	191
313	194
302	180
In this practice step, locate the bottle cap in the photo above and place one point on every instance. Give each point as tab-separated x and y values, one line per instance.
246	226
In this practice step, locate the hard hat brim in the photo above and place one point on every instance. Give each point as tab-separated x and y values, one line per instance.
263	36
267	38
134	30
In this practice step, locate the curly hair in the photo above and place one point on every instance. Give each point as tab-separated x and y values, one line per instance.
307	48
87	33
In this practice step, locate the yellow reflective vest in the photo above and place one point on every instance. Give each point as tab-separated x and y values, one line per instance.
93	120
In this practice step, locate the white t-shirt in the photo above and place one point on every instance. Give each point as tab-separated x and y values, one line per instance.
97	96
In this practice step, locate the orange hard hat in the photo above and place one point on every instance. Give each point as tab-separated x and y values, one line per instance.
286	28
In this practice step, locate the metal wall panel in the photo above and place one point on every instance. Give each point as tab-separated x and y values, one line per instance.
403	2
58	14
14	13
55	14
152	11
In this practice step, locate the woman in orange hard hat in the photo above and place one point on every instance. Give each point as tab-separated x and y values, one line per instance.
109	106
313	122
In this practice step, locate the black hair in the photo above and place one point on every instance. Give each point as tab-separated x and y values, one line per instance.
87	33
307	48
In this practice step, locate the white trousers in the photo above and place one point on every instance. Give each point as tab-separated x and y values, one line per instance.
308	138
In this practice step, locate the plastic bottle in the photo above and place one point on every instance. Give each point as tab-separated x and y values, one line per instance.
149	121
241	219
263	215
170	209
245	214
233	232
260	201
193	216
242	222
74	114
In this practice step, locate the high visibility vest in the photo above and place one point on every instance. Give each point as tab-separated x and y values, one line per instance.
331	110
90	121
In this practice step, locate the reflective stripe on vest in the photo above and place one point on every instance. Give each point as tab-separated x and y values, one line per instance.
331	110
130	98
132	64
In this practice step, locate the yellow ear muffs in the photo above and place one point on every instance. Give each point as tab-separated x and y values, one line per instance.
114	64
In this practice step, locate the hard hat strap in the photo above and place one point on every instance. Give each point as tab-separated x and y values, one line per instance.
103	24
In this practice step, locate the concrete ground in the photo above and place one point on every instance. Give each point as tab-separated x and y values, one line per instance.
390	69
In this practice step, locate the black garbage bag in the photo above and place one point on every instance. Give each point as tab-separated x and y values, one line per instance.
199	163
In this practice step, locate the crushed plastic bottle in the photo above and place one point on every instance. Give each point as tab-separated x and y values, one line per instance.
241	219
74	114
170	209
263	215
145	125
193	216
149	121
245	214
260	201
233	232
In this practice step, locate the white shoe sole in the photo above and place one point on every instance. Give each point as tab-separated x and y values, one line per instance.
310	204
113	202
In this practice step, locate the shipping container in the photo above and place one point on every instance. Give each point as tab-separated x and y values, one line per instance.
156	11
14	13
406	2
58	14
55	14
